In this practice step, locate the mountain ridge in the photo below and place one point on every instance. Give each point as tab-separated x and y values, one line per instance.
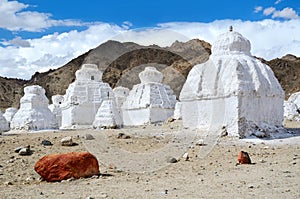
121	63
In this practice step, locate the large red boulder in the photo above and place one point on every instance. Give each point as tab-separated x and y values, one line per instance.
57	167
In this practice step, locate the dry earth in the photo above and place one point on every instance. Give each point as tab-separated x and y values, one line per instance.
275	172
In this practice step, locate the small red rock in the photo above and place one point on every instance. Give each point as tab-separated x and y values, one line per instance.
57	167
244	158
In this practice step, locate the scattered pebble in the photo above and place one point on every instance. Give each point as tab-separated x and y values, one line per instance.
171	160
18	149
88	137
25	151
123	136
67	141
10	161
170	119
103	195
112	166
46	143
200	142
8	183
30	179
186	156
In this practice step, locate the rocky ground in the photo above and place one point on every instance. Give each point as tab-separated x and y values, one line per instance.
142	167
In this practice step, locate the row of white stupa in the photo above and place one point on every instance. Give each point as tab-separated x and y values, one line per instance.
232	91
89	102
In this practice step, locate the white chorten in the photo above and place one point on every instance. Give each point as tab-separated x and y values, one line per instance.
4	126
291	111
84	97
55	107
295	98
34	113
121	94
107	115
292	107
9	113
150	101
232	90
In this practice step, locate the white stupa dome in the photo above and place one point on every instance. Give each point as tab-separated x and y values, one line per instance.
89	72
150	75
231	43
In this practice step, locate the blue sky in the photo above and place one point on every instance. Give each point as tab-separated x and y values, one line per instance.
36	35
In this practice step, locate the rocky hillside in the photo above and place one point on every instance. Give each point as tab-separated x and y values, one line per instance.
287	71
121	63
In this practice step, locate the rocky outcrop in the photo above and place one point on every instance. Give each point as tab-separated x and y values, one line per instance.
287	71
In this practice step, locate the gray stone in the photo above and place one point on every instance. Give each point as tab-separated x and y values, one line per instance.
67	141
200	142
186	156
17	150
171	160
89	137
123	136
46	143
25	151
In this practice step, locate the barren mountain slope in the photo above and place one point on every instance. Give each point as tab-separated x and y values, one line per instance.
287	71
122	62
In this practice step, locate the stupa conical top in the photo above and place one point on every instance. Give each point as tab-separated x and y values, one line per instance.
89	72
231	42
150	75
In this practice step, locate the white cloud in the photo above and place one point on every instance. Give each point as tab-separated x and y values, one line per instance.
17	41
286	13
258	9
269	39
269	11
151	36
52	51
265	36
14	18
126	24
278	1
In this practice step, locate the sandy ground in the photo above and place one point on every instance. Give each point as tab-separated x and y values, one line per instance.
137	167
